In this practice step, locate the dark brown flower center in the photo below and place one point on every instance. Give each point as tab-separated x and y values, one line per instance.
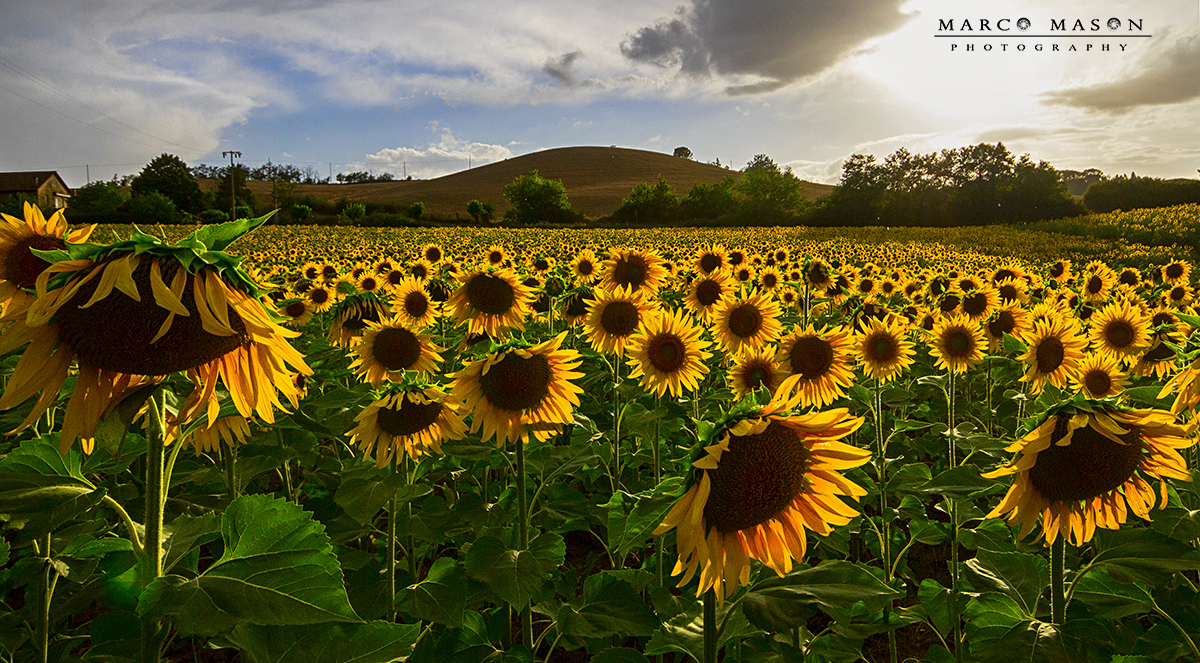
1003	323
1058	269
516	383
295	309
396	348
709	262
745	321
1160	352
620	318
756	478
1129	277
881	348
1008	292
576	306
1178	294
433	254
419	272
369	284
1174	270
708	292
630	271
817	274
758	375
666	352
949	303
1091	465
585	267
395	277
416	304
541	264
958	343
975	304
810	357
490	294
410	419
1094	285
1119	333
23	267
866	285
1050	354
1098	382
319	296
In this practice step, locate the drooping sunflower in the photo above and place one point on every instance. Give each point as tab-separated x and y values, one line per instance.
707	292
819	274
818	364
1054	348
1099	376
1120	330
211	438
297	312
19	267
765	478
137	309
755	369
352	315
1011	319
1086	465
412	419
957	343
633	269
389	348
668	354
412	305
749	322
614	316
491	301
520	391
883	349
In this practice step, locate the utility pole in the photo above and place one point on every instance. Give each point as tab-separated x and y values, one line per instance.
88	170
232	195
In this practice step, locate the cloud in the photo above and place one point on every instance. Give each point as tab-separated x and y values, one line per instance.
448	154
560	68
777	42
1171	76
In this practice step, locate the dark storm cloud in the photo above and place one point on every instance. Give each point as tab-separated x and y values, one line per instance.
560	68
1171	77
782	41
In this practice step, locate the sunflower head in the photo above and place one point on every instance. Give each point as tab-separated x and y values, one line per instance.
747	322
883	349
491	301
668	354
412	418
635	270
19	238
957	342
352	315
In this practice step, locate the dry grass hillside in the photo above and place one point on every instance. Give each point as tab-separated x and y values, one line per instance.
596	178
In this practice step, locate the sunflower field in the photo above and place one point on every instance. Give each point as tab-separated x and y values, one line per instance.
333	445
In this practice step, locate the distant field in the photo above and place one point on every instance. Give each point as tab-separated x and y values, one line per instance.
596	178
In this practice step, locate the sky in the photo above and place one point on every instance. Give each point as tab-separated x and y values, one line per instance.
424	88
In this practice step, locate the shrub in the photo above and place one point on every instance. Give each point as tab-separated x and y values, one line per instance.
153	208
301	212
416	210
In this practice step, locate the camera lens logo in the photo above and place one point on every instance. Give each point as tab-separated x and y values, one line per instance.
1023	24
1114	24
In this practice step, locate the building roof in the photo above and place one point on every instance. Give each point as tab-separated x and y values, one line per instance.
27	181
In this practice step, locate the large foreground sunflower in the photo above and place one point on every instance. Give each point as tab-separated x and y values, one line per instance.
765	478
1086	465
137	309
520	391
19	267
409	419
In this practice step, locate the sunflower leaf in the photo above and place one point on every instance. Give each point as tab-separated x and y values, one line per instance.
278	568
1110	599
218	236
1143	555
611	607
441	597
515	575
370	642
1021	576
41	490
957	482
834	584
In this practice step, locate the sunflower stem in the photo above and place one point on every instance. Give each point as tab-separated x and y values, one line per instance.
393	508
49	580
523	537
231	473
954	588
409	474
1058	599
616	479
710	626
885	535
658	540
152	564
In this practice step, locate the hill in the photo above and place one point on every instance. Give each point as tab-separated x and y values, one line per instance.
596	178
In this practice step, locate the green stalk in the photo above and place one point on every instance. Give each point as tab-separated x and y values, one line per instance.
412	544
393	507
156	489
230	474
710	627
1058	602
616	479
49	580
885	542
658	540
523	537
954	586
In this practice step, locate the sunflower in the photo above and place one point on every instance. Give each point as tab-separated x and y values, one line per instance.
957	343
432	253
369	282
19	267
709	260
1085	464
755	369
420	270
980	303
1099	377
516	392
297	312
1176	271
584	267
763	480
1097	279
495	256
490	301
1179	295
1119	330
310	271
1061	271
636	270
744	274
134	310
819	274
1010	319
707	292
351	316
883	349
614	316
1012	291
410	419
412	305
769	279
389	348
749	322
573	307
668	354
1054	348
210	438
321	298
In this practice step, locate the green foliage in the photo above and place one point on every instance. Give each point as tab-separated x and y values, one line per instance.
14	205
481	212
352	212
168	175
682	152
152	208
772	195
533	198
97	202
710	201
301	212
1133	192
416	210
649	204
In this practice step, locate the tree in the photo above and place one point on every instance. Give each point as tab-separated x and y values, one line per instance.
244	196
96	201
710	201
650	204
481	211
169	175
416	210
153	208
770	193
532	198
682	152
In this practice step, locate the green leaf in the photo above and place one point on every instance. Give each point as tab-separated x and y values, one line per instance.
278	569
369	642
441	597
186	533
774	615
935	600
685	632
768	650
1143	555
620	655
86	546
957	482
515	575
5	548
629	528
217	236
611	607
835	584
40	490
365	489
1110	599
1021	576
